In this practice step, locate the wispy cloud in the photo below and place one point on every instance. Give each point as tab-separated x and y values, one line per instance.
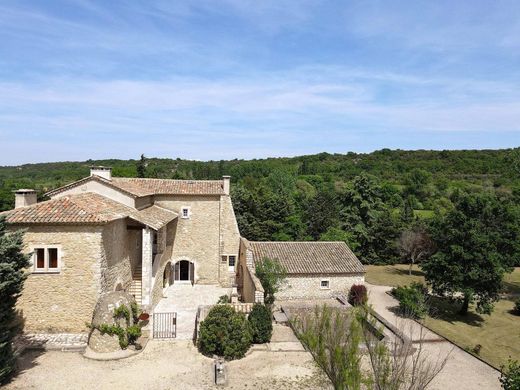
203	79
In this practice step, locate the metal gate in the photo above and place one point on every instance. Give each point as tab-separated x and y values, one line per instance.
164	325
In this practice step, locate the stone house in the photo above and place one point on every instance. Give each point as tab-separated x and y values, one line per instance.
103	233
315	270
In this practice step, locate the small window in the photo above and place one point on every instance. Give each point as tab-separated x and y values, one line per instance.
324	284
46	260
231	263
224	259
185	212
53	258
39	253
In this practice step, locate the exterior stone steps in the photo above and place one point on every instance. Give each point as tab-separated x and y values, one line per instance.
137	284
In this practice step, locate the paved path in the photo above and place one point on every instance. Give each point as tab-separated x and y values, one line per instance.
185	300
462	372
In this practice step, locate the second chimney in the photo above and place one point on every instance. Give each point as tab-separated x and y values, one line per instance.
227	184
104	172
24	197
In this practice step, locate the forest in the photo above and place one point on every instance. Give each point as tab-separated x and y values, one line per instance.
367	200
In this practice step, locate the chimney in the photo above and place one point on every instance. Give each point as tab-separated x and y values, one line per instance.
24	197
227	184
104	172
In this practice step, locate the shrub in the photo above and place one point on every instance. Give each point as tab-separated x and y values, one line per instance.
225	333
517	307
272	276
412	299
223	299
357	295
510	375
261	323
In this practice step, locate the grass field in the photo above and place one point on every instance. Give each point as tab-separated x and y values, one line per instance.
498	333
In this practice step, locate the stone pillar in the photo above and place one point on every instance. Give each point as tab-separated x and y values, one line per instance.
147	266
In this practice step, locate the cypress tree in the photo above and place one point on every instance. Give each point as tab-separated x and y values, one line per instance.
12	277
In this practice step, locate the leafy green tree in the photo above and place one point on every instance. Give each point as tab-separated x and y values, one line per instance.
417	183
141	167
12	277
272	275
477	242
369	220
261	322
510	375
224	332
321	213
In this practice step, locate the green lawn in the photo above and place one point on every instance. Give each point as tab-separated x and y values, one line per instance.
498	333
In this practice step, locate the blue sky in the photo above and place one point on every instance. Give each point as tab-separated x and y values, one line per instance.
230	79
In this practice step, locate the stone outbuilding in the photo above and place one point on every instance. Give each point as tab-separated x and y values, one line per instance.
315	270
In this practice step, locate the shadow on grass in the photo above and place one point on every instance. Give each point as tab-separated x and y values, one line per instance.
405	272
447	310
510	288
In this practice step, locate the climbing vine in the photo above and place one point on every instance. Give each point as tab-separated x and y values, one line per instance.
127	335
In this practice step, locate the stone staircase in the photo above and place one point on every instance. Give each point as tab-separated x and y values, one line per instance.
137	284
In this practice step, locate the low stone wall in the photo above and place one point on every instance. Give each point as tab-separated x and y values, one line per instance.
252	290
309	286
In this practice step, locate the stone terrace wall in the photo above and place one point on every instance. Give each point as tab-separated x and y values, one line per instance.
63	302
308	287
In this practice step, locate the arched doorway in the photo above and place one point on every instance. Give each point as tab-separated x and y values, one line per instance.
184	271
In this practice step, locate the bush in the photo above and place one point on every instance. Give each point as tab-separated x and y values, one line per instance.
223	299
510	375
261	323
357	295
412	299
517	307
225	333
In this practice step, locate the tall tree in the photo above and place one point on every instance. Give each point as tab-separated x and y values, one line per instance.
141	167
415	245
477	241
12	277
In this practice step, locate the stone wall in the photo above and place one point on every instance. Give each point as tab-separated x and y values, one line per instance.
308	286
99	188
229	240
197	238
119	254
167	233
248	283
64	301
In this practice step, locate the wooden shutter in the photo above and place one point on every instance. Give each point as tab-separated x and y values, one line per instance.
176	273
192	272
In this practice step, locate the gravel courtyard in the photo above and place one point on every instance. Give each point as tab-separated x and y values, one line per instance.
170	365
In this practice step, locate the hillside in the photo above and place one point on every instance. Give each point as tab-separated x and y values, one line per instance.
313	197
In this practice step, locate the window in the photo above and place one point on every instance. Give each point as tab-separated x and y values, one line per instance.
46	259
53	258
185	212
231	263
224	259
324	284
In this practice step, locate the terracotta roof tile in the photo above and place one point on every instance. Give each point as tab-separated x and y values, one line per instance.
87	208
309	257
144	187
137	187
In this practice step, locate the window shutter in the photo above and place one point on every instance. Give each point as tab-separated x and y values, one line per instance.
192	271
176	273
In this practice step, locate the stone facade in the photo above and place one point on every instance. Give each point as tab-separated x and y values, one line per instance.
309	286
63	301
120	253
249	285
208	233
